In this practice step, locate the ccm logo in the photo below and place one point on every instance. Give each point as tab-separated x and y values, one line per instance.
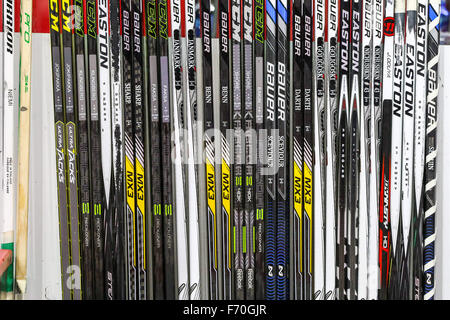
388	26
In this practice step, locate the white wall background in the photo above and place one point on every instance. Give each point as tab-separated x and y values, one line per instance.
43	253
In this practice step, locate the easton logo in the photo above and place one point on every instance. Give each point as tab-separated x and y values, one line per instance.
103	34
388	26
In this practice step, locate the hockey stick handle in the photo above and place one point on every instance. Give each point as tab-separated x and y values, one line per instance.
24	142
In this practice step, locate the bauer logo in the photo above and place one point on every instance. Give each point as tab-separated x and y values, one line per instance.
388	26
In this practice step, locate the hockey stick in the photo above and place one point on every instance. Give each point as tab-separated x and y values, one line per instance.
24	143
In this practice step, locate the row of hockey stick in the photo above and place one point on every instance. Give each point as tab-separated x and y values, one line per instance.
311	181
